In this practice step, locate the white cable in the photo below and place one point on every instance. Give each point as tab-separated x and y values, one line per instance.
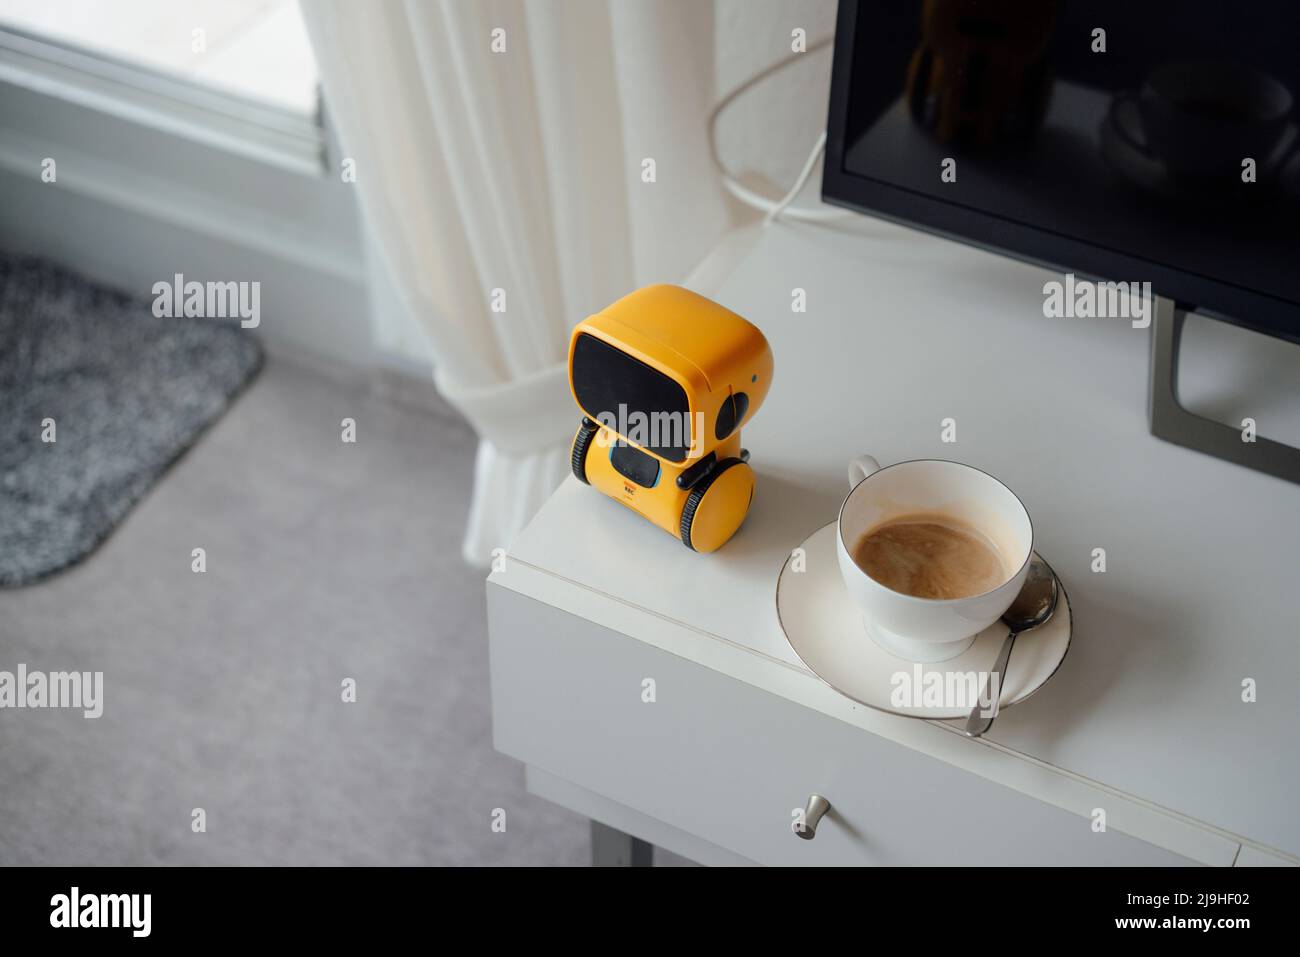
802	178
771	207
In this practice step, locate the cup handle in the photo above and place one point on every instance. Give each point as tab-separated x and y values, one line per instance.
860	468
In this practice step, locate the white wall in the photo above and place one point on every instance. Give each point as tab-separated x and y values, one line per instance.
770	130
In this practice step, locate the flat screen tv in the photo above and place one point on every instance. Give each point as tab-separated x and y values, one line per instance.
1154	141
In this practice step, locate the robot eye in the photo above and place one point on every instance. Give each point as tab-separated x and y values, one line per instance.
731	414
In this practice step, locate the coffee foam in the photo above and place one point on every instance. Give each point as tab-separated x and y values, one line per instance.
988	521
932	555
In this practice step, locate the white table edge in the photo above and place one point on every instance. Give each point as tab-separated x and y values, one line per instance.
1130	814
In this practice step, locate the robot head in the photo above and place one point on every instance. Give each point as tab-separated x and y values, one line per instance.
669	371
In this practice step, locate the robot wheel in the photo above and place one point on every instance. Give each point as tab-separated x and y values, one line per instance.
717	506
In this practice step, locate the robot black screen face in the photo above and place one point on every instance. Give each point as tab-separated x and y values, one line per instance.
636	401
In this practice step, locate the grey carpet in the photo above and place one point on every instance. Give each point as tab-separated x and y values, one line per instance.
127	392
222	690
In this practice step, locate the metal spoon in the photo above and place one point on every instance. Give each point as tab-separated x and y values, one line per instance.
1033	606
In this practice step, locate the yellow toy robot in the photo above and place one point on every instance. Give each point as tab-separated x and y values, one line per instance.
665	378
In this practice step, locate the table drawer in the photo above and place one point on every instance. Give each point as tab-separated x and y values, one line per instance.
728	763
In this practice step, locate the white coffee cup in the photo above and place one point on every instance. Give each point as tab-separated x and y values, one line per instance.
928	629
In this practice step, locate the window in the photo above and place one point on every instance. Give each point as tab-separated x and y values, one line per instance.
133	148
253	48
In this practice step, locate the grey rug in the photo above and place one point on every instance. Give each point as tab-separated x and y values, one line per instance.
127	393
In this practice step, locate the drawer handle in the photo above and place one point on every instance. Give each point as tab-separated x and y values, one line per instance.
814	812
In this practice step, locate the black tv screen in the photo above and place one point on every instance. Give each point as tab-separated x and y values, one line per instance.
1127	141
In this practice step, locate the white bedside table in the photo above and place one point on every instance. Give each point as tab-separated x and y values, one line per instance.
1144	720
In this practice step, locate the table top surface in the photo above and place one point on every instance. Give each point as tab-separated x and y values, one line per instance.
904	330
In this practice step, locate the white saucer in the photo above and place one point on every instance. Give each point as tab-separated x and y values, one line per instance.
826	630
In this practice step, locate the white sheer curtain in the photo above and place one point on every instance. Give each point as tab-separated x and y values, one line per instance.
522	171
